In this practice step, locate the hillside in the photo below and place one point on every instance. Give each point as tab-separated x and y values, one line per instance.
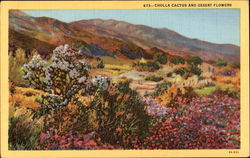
55	32
112	38
166	39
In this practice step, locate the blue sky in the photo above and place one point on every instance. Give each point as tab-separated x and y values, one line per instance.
213	25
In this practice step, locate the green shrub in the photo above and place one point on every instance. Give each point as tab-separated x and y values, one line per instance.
194	61
235	65
161	88
169	74
180	71
161	59
178	60
147	66
220	63
195	70
154	78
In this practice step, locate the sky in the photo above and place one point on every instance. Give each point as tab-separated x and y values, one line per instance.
213	25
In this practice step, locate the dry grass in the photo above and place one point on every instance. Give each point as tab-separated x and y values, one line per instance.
116	61
118	67
231	82
28	91
24	101
25	97
192	81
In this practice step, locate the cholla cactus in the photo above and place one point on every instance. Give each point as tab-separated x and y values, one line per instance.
35	71
100	82
62	77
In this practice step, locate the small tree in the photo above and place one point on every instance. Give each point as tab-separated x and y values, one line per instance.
194	61
178	60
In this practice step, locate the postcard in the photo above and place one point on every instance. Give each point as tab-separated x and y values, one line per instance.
124	79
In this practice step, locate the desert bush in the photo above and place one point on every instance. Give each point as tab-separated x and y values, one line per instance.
183	70
161	88
235	65
178	60
146	66
220	63
161	59
166	97
73	117
16	60
195	70
169	74
180	71
23	130
153	78
100	63
194	61
119	114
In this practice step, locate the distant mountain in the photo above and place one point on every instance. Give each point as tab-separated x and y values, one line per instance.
55	32
113	38
166	39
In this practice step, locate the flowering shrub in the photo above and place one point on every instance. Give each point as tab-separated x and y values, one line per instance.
62	77
52	140
228	73
203	123
118	113
154	108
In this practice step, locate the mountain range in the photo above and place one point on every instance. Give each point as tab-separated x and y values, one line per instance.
118	39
